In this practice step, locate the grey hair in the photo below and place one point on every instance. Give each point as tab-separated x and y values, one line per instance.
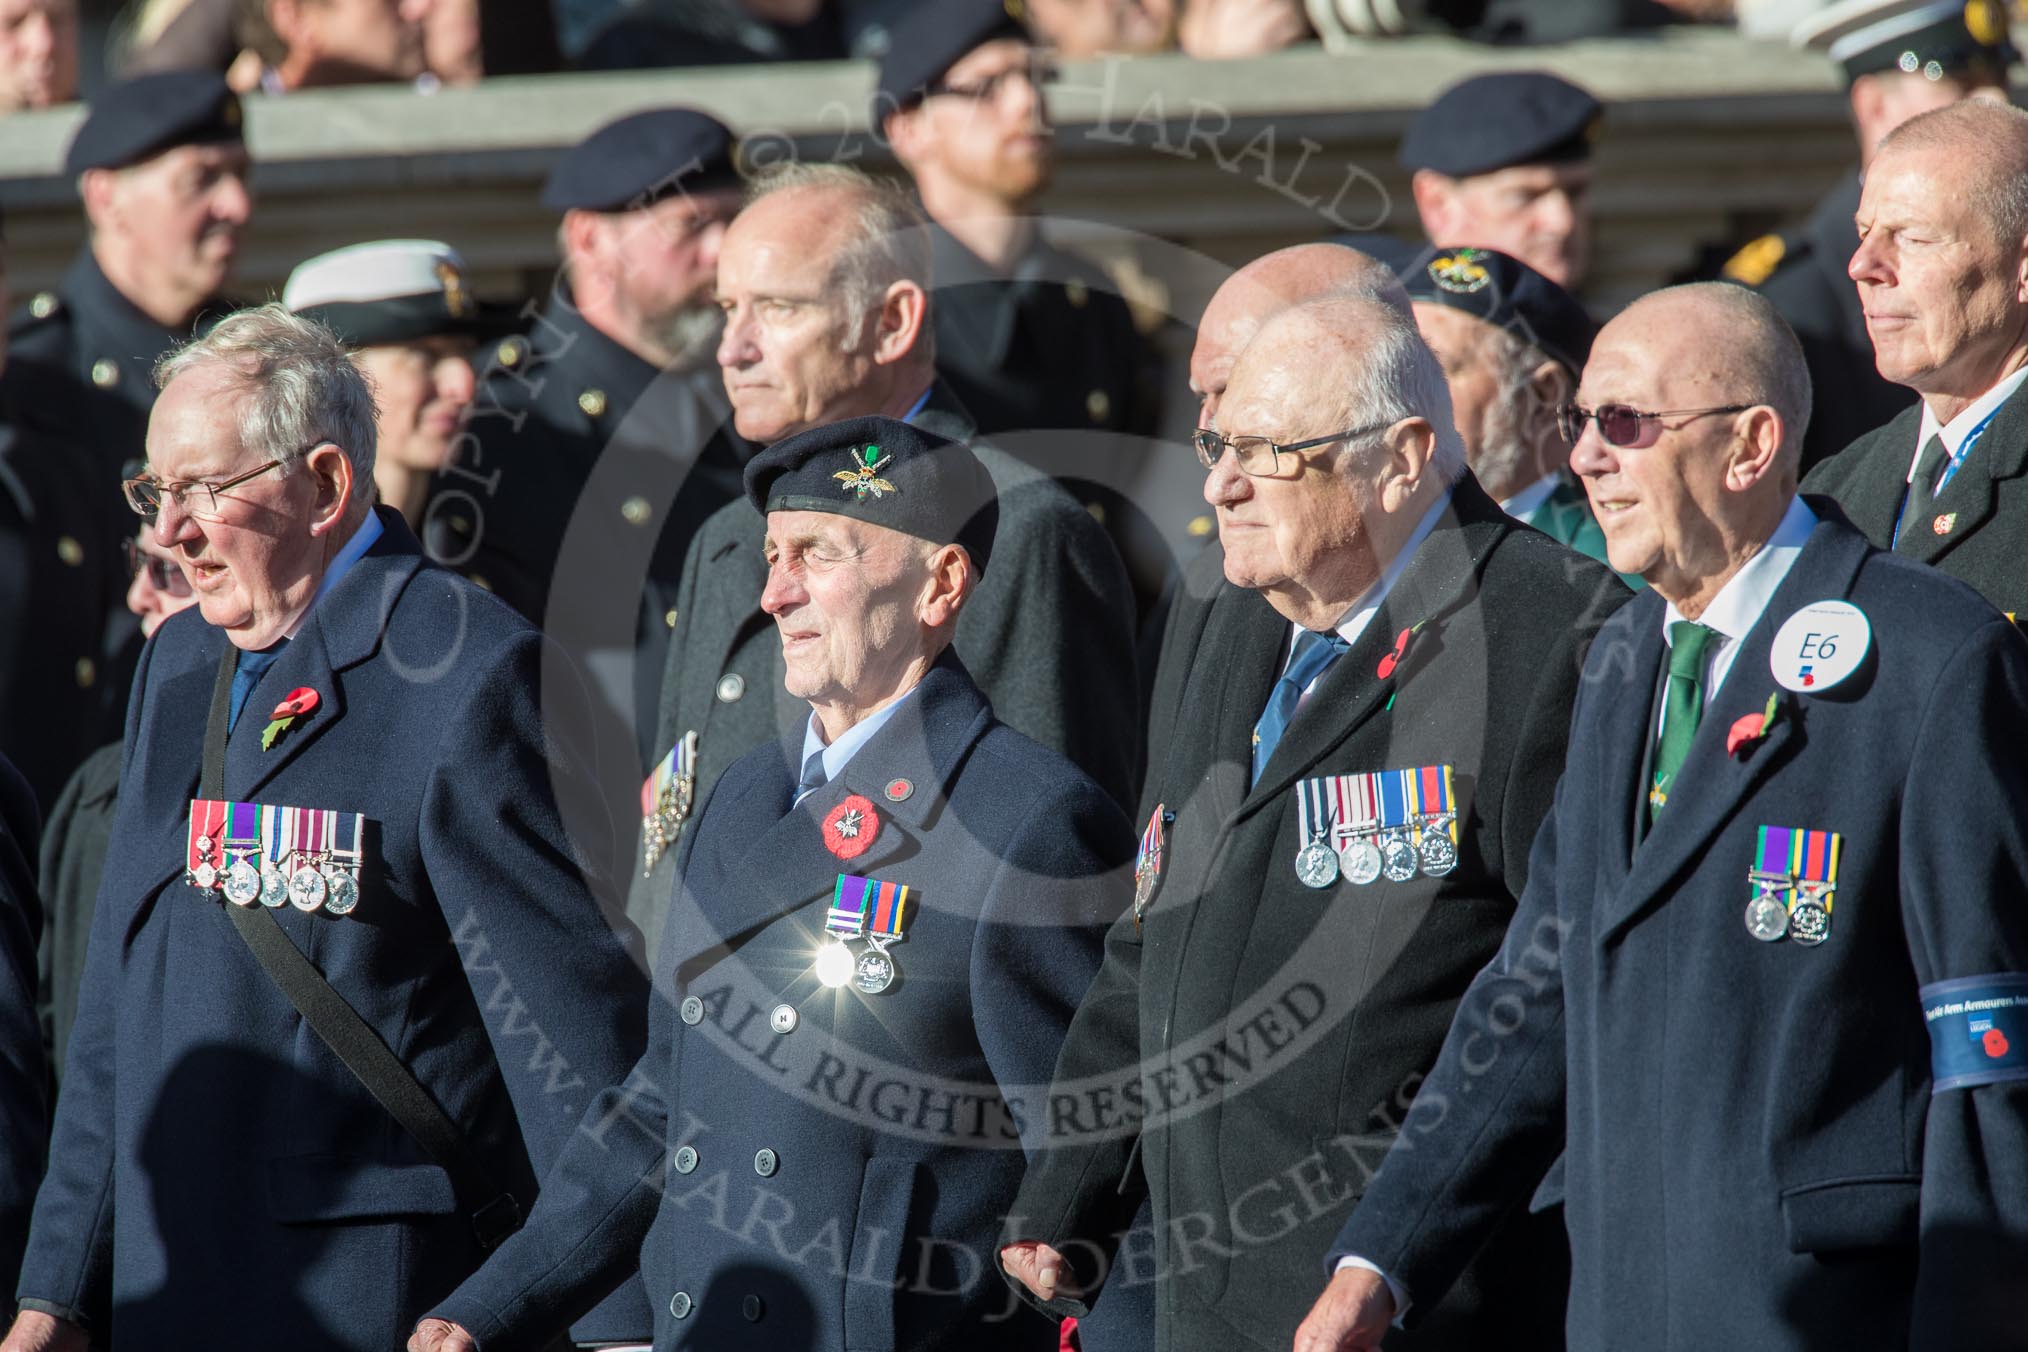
1993	136
1504	443
1396	376
889	240
303	389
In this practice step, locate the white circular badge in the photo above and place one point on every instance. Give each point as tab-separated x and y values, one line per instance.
1820	645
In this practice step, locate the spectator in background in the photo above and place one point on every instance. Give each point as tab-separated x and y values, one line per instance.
1899	58
79	827
403	308
38	53
304	44
1503	162
1080	29
1512	344
702	32
1227	29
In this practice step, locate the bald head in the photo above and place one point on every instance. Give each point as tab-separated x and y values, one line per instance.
1978	148
1290	276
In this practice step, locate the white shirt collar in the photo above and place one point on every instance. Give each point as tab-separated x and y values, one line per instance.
1740	602
1523	504
1957	429
354	549
838	753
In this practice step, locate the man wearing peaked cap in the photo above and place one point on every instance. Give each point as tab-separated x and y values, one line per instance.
880	927
405	309
594	448
1513	344
160	162
1503	162
1899	58
1033	339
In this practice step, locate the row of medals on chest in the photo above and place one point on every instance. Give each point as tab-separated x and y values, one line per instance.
1807	919
1396	853
316	883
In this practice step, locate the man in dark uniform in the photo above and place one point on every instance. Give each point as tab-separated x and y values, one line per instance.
422	906
161	165
822	279
1899	58
1037	343
1946	482
1768	988
1503	161
1332	848
24	1068
883	924
594	449
59	585
1512	344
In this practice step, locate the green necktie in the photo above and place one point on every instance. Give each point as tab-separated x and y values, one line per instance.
1683	705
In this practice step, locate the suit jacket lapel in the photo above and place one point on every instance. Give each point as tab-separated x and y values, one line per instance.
1713	784
1874	491
1969	500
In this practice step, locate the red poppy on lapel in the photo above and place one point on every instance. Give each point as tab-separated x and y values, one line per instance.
851	827
300	701
1747	732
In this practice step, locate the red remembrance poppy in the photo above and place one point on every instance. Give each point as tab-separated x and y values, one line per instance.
301	700
850	828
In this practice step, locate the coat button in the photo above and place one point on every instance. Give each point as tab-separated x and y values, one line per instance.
87	673
636	511
105	374
593	402
783	1019
730	687
692	1010
685	1160
1077	293
1098	405
70	551
44	304
753	1309
679	1305
765	1163
669	617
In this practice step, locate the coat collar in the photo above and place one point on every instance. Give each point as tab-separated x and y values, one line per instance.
1876	484
782	863
946	415
1714	784
1972	496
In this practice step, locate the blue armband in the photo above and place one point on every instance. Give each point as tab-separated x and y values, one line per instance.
1978	1030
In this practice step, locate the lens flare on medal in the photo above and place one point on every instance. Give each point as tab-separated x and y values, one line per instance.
835	965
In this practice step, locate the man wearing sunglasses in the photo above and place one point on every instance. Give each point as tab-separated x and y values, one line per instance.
259	984
1262	1020
1765	992
1943	234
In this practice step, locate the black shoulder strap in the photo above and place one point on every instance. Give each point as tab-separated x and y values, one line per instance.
494	1212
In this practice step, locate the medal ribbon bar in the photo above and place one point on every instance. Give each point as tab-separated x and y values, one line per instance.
889	907
847	918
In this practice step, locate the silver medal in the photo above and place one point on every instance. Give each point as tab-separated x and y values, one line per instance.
1360	860
242	884
1438	855
274	886
205	876
344	893
1766	918
874	972
1810	922
306	889
1316	865
1398	859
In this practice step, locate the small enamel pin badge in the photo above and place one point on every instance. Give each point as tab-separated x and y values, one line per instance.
862	479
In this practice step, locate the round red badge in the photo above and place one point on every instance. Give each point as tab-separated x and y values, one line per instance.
850	829
898	790
1995	1043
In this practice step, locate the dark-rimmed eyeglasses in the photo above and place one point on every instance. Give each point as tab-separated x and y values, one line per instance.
163	574
1629	428
1039	74
194	497
1247	452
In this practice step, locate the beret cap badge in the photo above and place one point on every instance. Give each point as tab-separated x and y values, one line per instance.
456	299
861	480
1460	271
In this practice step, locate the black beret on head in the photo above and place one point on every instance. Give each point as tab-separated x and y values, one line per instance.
642	158
149	114
1492	122
936	37
1510	295
885	472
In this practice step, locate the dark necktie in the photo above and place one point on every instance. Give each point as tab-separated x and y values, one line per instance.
1313	653
252	666
813	775
1921	508
1683	707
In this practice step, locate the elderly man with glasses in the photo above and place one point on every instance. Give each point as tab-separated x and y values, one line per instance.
347	991
1367	737
1767	991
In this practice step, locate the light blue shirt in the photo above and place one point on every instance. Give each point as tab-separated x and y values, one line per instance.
838	753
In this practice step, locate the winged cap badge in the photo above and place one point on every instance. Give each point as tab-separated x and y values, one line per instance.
863	478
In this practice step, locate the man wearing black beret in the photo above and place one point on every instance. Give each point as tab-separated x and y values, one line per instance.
161	164
881	927
1899	58
593	453
1513	344
1503	162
